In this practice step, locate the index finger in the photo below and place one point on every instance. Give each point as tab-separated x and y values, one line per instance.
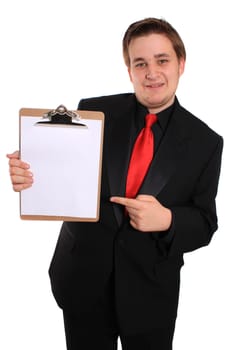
128	202
13	162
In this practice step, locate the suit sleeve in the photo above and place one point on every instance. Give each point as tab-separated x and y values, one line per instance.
195	224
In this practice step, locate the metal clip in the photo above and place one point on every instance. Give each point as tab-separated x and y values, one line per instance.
61	115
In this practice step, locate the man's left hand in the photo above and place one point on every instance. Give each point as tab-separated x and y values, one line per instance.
146	213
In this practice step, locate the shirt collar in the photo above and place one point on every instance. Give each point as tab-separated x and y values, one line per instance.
163	116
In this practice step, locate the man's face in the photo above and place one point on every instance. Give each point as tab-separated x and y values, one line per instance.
154	71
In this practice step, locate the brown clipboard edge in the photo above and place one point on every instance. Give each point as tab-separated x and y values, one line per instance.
59	218
96	115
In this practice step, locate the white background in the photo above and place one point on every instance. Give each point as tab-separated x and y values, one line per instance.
58	52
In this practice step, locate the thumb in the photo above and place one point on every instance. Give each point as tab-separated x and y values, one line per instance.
13	155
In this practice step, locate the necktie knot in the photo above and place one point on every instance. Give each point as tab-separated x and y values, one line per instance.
150	119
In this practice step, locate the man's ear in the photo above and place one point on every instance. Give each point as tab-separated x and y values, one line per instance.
129	72
181	66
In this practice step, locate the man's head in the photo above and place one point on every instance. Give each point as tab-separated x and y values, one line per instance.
155	57
149	26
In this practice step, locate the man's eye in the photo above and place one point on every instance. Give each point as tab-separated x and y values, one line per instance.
163	61
140	65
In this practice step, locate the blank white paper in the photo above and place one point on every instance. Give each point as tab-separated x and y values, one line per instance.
65	163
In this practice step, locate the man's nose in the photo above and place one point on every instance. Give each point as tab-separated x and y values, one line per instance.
152	72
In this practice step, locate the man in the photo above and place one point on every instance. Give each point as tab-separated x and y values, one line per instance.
119	277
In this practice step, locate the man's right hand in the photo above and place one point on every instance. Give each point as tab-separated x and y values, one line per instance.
21	176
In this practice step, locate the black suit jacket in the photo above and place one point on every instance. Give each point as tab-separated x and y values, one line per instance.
184	177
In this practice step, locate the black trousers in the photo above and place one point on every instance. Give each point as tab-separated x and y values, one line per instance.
97	329
78	339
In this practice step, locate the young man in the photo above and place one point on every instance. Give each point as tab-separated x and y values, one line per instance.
119	277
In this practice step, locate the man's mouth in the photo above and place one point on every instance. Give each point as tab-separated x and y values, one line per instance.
154	86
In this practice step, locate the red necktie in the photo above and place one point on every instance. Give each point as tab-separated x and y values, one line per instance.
141	157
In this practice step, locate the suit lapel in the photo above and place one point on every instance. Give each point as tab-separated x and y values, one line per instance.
168	157
118	151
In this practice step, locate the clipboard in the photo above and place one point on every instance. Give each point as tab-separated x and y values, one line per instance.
64	150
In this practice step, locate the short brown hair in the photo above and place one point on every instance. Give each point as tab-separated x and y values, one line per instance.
149	26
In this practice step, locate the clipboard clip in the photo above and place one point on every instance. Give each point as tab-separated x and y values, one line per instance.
61	116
